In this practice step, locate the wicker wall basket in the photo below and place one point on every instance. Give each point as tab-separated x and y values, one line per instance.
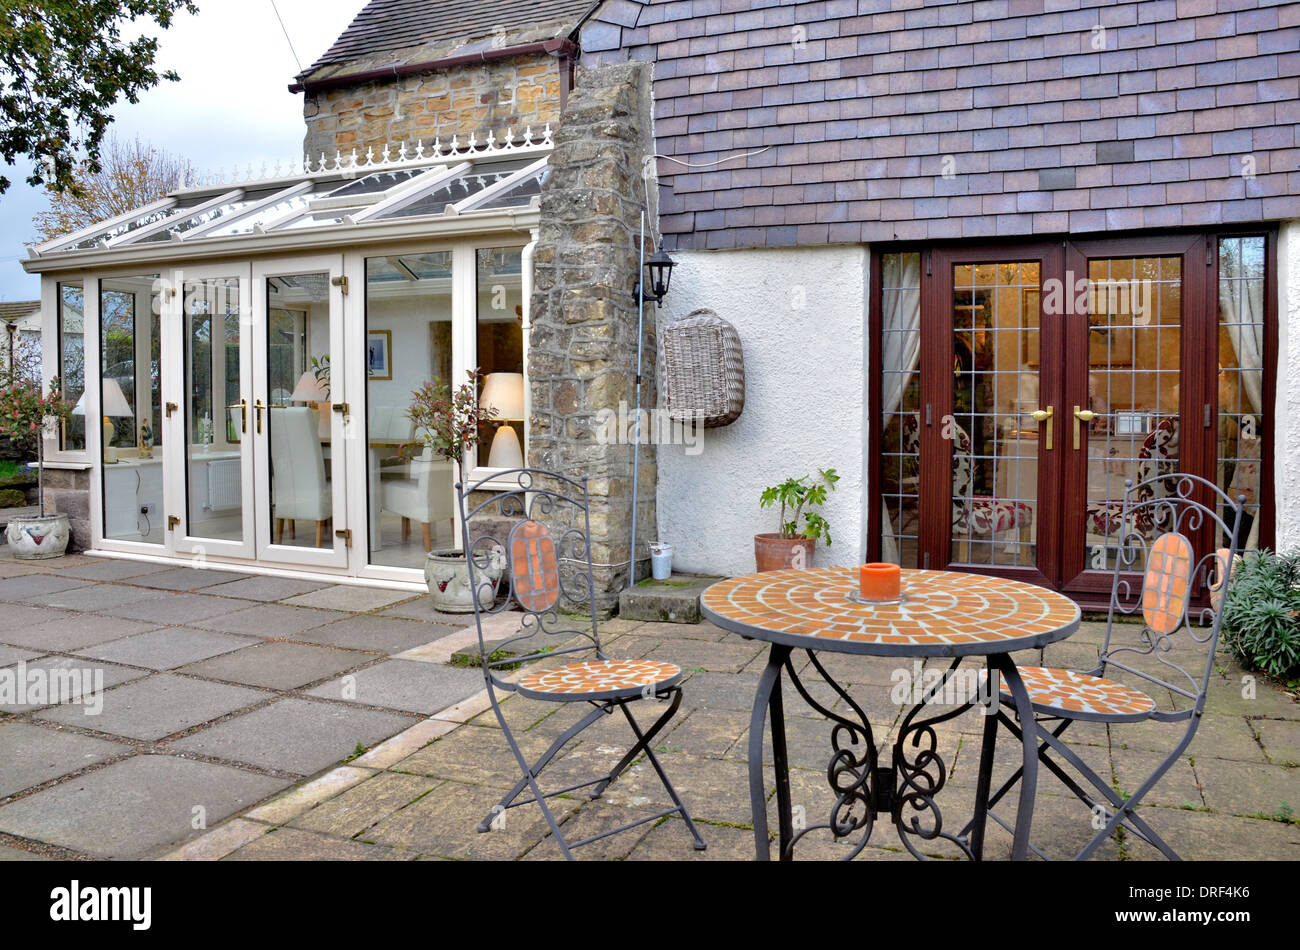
704	370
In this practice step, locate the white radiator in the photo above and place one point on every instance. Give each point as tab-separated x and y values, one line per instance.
224	484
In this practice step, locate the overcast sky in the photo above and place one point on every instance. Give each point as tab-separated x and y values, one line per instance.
230	106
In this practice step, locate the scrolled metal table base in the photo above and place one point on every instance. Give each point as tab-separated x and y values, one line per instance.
905	790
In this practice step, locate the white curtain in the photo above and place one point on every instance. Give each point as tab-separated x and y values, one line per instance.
900	354
1241	310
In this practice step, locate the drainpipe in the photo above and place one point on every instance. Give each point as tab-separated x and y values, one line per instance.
636	439
526	289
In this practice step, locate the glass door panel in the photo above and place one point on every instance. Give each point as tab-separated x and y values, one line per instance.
1130	424
996	340
217	461
299	440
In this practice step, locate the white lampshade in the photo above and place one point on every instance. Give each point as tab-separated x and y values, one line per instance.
310	389
505	393
506	451
115	403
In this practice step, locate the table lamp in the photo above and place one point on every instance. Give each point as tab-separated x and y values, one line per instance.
115	404
314	392
504	392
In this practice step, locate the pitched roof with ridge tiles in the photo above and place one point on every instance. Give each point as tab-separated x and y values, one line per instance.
857	104
387	25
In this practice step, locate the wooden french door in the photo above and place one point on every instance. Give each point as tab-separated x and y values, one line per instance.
1045	376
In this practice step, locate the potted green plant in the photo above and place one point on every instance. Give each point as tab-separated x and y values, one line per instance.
448	423
795	542
27	413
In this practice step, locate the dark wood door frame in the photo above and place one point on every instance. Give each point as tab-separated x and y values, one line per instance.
1198	388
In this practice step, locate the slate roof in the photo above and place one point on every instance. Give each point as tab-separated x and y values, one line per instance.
385	25
14	310
1046	134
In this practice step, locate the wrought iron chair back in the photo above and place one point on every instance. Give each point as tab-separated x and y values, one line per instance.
544	563
1163	519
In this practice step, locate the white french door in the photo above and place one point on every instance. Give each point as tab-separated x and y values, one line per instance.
300	430
210	453
257	448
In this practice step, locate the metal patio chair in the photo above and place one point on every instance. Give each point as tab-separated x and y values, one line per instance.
534	527
1160	529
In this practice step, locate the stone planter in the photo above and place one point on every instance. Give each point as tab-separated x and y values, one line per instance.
33	539
447	575
775	553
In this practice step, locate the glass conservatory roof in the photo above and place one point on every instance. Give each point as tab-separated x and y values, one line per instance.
401	186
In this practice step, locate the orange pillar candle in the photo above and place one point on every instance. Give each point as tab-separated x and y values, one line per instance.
880	583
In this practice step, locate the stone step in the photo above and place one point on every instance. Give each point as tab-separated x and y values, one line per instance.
675	600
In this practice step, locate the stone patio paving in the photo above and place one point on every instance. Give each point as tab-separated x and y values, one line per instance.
246	696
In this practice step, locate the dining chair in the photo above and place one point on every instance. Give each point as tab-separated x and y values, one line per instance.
299	488
536	525
425	499
1177	596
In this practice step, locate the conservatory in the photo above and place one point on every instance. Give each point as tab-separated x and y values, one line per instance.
250	349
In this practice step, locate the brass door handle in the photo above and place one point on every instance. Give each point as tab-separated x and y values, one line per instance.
258	407
242	406
1045	415
1081	415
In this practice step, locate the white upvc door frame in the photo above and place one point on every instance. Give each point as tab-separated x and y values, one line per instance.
167	327
177	441
342	444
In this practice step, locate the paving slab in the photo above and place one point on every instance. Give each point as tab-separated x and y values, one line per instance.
1281	741
268	588
295	735
168	648
404	684
1237	788
186	578
68	675
17	616
11	655
33	754
290	844
350	597
73	631
350	814
279	665
374	633
270	620
15	854
421	608
96	597
113	569
27	585
159	706
169	608
134	807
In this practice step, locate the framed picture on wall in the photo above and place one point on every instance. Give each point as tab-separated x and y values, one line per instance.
379	350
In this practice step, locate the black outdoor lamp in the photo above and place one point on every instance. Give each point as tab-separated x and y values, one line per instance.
660	268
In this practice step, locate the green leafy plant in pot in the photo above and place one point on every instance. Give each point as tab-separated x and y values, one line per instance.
28	414
1261	615
796	541
447	424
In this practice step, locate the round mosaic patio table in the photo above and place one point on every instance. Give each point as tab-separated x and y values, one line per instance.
941	614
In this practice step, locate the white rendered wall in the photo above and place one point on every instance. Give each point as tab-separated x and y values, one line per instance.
1286	429
801	315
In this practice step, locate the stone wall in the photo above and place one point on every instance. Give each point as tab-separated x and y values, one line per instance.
584	341
496	95
67	492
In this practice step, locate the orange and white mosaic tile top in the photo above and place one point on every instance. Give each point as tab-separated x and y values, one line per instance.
1068	691
533	566
1166	586
942	612
608	677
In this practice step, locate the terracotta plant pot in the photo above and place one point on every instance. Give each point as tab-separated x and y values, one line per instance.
775	553
34	539
447	575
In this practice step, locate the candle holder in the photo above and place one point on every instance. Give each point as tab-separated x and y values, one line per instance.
879	584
